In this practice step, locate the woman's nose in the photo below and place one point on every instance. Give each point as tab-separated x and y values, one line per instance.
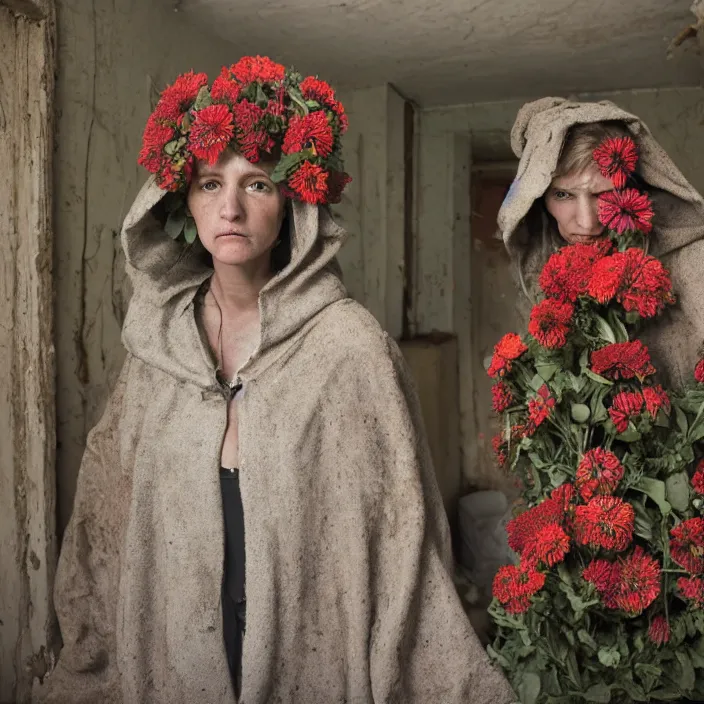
231	206
587	217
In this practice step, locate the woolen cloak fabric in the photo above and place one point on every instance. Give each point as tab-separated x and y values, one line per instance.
349	593
537	138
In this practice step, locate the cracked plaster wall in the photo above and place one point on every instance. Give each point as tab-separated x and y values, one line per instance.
113	57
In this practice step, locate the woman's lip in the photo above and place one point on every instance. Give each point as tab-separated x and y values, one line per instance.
232	234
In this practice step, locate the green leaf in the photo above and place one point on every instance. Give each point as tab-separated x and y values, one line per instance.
203	99
529	689
288	164
696	432
586	639
190	231
598	693
175	222
609	657
170	147
681	420
604	329
655	489
580	413
666	694
537	382
629	435
687	679
546	371
618	327
677	491
596	377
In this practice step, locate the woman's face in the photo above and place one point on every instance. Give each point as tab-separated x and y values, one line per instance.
573	201
237	208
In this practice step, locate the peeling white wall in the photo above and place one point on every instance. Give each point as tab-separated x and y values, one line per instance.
676	118
112	57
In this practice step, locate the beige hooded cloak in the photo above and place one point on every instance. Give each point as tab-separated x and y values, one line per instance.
677	239
349	594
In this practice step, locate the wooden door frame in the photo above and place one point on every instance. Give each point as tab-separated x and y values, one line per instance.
27	360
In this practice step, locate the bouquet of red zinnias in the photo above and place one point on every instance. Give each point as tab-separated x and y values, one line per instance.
606	602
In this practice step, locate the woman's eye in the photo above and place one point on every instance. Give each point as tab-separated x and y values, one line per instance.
259	186
560	195
209	185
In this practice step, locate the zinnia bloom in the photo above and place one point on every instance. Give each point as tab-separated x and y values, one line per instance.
638	582
599	472
659	631
626	405
605	522
616	158
311	132
508	348
314	89
698	479
604	576
310	182
692	588
627	210
225	87
513	586
567	273
539	409
549	545
156	136
522	529
687	545
211	132
550	322
252	136
257	68
699	371
502	396
180	95
656	398
623	360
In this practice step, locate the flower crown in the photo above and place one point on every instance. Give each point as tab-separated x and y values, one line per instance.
257	107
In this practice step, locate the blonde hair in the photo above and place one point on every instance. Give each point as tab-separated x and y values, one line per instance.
582	140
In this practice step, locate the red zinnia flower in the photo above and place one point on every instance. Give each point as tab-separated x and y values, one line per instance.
522	529
605	522
211	132
692	588
698	478
508	348
567	273
548	545
156	136
252	137
616	158
623	360
638	582
310	183
656	398
539	409
602	574
513	586
638	281
659	631
626	405
257	68
502	396
550	322
699	371
599	472
687	545
563	496
225	87
314	89
312	132
180	95
626	210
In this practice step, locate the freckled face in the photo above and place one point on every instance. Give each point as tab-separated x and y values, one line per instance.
237	208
